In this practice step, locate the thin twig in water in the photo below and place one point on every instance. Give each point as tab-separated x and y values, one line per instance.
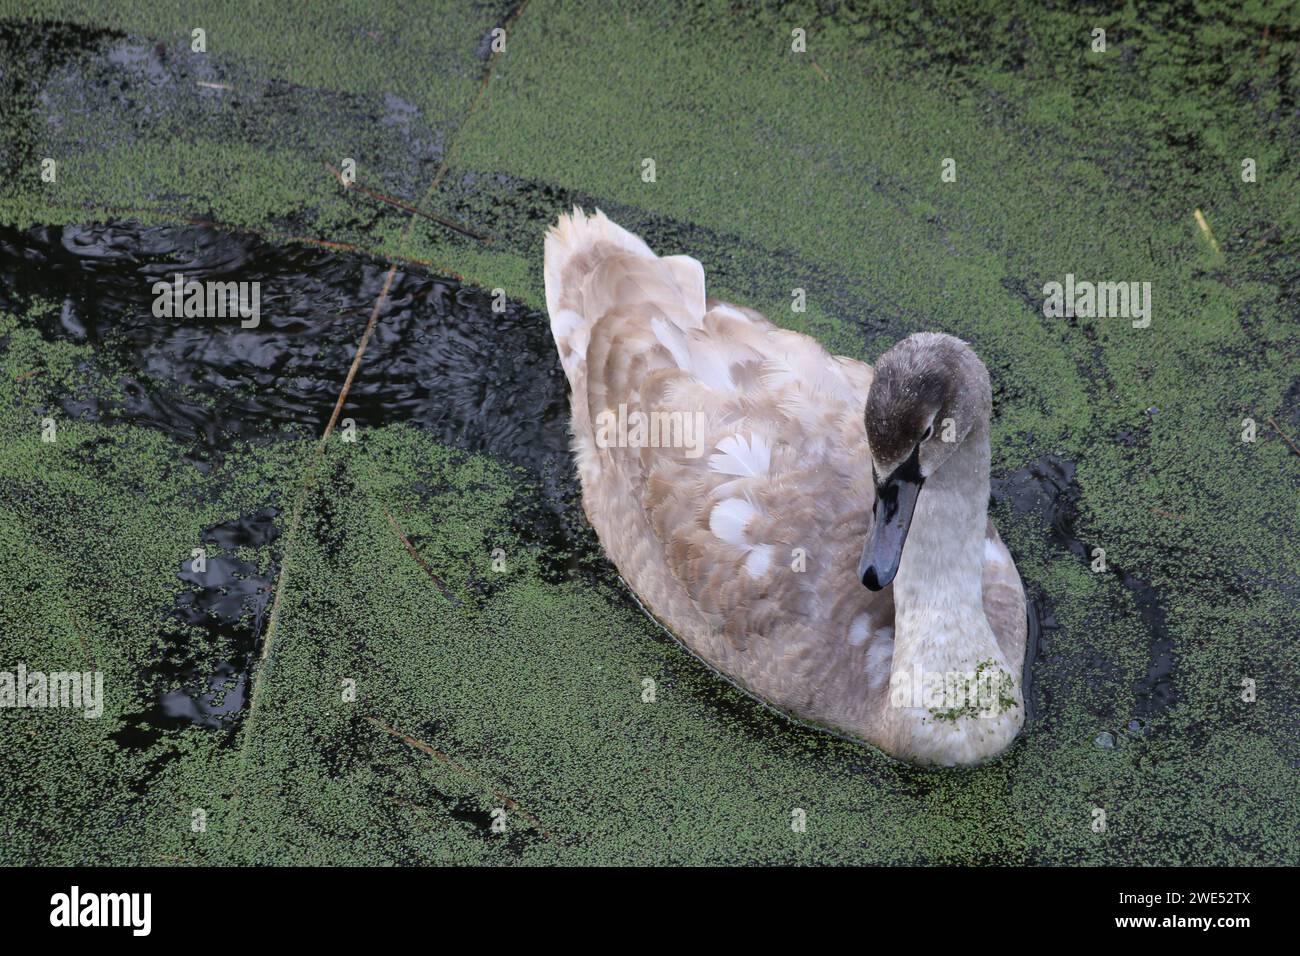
505	799
1285	437
407	207
140	212
1205	228
445	165
410	548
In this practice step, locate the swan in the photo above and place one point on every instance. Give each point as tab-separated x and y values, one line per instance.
838	565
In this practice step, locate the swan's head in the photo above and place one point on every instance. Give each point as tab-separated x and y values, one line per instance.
929	392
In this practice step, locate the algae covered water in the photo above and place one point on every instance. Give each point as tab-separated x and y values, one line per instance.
406	628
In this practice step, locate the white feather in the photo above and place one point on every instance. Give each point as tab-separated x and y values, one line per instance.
759	560
729	519
744	459
860	630
880	659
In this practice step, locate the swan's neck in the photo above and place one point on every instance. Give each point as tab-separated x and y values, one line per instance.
943	559
952	696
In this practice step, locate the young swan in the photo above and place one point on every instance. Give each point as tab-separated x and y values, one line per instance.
727	472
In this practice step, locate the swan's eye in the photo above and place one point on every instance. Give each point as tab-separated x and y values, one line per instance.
929	430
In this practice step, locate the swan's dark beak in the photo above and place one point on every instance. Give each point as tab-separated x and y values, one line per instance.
891	517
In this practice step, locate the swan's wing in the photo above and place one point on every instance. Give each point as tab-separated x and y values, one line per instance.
1004	597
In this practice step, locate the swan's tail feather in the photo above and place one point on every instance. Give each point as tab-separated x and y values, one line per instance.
579	291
